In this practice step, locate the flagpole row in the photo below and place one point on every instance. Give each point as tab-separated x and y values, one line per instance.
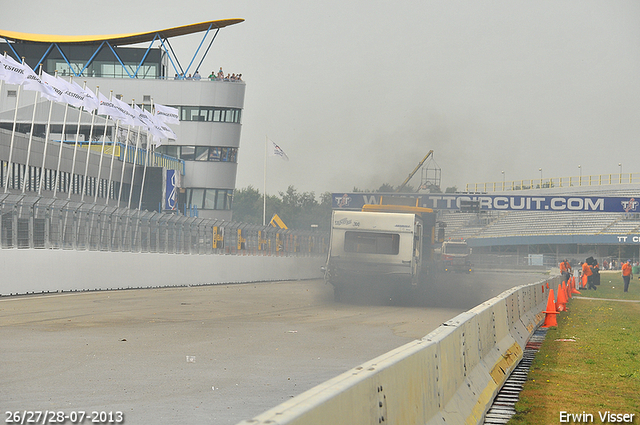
57	89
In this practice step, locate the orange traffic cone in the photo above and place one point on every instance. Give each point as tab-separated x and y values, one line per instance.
564	288
567	289
561	302
550	318
543	289
547	285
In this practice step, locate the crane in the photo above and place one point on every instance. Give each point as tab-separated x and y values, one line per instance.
415	170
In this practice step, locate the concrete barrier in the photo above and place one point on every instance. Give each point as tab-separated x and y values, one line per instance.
48	270
448	377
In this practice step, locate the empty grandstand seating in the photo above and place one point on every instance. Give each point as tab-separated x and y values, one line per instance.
540	223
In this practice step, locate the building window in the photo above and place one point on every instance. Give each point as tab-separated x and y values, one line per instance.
200	153
188	153
197	198
209	114
209	199
214	153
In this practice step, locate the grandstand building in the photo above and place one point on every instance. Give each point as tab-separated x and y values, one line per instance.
574	235
203	155
601	219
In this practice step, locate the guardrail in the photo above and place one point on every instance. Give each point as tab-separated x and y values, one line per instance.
448	377
40	223
591	180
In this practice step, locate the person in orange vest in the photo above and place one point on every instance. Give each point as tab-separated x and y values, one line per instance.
563	270
626	275
586	276
567	269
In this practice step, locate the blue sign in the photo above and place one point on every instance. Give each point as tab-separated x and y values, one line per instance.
171	195
510	202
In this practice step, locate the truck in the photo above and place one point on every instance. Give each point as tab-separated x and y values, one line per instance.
455	256
382	248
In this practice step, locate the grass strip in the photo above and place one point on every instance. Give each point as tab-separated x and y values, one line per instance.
590	363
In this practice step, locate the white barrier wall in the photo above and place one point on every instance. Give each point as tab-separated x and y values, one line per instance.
49	270
448	377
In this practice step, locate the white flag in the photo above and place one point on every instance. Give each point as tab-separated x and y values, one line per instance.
34	83
58	85
149	124
90	101
12	72
162	130
73	94
127	110
167	114
115	109
277	151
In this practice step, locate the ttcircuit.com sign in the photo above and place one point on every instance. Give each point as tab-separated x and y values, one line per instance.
497	202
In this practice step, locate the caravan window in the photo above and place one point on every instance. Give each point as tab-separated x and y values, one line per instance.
372	243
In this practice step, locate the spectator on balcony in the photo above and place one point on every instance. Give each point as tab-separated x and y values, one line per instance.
220	74
197	76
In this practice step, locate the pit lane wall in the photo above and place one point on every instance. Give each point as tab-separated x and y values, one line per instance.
448	377
28	271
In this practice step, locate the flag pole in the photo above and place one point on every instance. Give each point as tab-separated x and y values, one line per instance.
13	135
46	144
86	167
75	150
264	193
104	138
64	129
135	162
114	140
124	162
26	165
144	168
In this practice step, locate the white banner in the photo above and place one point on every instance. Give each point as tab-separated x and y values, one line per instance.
115	111
167	114
12	72
58	85
34	83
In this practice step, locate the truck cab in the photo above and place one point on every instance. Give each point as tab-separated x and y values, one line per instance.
455	256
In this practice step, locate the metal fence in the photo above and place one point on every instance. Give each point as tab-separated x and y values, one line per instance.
39	223
591	180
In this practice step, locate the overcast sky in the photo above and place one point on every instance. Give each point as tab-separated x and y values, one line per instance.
357	92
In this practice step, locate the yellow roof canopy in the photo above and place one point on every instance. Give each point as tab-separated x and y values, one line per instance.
118	39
